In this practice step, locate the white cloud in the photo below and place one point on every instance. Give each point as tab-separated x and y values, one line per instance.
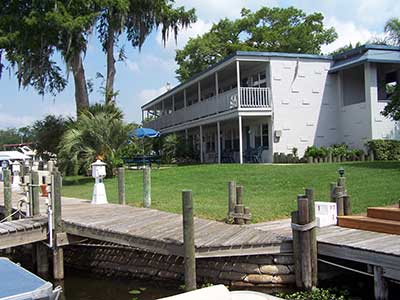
146	95
348	32
132	66
10	121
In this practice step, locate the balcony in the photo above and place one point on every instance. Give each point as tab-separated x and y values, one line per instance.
251	98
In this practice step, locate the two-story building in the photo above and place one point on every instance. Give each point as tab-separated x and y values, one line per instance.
274	102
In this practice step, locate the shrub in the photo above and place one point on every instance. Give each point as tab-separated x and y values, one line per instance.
317	294
385	149
311	151
339	150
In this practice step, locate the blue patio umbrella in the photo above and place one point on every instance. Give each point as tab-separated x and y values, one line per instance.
144	132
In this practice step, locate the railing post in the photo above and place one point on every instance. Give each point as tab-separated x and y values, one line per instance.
7	194
188	241
146	187
58	253
35	193
121	186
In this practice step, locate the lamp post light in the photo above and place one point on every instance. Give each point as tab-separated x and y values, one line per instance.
341	172
99	190
16	180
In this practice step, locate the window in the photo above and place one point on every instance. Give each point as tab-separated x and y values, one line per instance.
265	136
353	85
387	81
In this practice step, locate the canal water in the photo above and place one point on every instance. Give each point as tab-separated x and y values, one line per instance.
86	286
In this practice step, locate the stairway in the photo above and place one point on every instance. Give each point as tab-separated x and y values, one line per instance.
378	219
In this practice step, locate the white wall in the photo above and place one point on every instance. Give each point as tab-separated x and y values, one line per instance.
304	103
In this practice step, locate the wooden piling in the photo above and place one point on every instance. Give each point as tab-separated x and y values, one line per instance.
146	187
239	207
347	210
313	237
7	194
247	214
231	197
296	250
42	259
342	182
305	244
380	284
35	189
188	241
121	186
58	255
339	200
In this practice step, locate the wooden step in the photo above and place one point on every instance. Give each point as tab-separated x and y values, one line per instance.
370	224
387	213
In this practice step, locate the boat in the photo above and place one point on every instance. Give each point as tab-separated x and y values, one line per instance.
17	283
220	292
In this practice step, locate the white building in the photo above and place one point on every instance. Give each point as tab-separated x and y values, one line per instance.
280	101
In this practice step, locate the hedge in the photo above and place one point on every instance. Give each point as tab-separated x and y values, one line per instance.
385	149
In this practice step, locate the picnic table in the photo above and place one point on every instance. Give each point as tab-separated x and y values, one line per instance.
143	160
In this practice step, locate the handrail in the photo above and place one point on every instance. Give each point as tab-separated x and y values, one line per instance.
255	97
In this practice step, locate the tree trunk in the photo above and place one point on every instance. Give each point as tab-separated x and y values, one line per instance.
81	93
109	92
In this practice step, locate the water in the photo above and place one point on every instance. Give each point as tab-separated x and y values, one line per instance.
86	286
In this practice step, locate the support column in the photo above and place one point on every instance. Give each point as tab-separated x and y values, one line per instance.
198	91
184	98
371	96
58	253
219	141
216	84
173	103
240	141
162	107
238	82
201	144
380	284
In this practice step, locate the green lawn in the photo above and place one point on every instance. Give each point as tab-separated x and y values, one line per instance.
270	190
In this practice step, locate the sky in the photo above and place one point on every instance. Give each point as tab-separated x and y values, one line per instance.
145	74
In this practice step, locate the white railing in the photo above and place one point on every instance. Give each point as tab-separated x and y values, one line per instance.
250	98
254	97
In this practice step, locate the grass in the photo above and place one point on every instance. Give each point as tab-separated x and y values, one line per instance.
270	190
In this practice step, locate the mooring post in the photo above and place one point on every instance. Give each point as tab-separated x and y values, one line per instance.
339	200
42	259
313	237
231	198
35	193
347	206
296	250
146	186
342	182
121	186
58	254
188	241
304	218
7	194
247	214
333	186
380	284
239	207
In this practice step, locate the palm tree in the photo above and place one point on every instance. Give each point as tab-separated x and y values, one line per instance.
97	134
392	28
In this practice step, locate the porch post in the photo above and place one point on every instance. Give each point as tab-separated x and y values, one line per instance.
240	141
198	91
186	135
184	97
162	107
261	135
238	82
142	116
219	141
173	103
216	84
201	143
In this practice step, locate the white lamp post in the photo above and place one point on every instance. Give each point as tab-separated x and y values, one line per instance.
16	180
99	190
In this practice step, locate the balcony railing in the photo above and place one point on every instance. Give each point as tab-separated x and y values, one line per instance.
250	98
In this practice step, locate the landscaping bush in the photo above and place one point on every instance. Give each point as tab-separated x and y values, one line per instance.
317	294
385	149
336	150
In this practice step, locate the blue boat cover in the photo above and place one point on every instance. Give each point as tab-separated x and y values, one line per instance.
15	280
145	132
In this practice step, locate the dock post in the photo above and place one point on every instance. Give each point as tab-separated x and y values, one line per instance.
313	237
231	198
304	218
339	200
7	194
58	254
121	186
380	284
342	182
347	206
35	193
247	214
296	250
42	259
188	241
146	187
239	207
